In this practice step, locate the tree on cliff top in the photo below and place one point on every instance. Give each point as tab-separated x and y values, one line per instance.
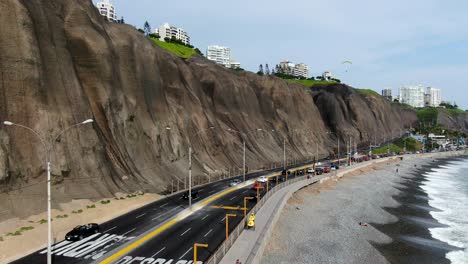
147	28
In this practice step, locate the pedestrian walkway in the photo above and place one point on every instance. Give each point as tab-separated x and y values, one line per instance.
251	242
249	246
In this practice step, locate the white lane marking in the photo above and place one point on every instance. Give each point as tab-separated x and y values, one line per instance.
110	229
128	231
205	217
200	190
223	219
212	192
140	215
218	184
208	232
160	251
233	198
186	252
185	231
164	205
245	191
166	213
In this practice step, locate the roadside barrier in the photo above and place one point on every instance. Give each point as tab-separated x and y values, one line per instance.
221	251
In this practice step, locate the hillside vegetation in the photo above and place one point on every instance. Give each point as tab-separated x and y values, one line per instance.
178	49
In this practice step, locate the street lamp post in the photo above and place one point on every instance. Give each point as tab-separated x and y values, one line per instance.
48	148
244	135
190	167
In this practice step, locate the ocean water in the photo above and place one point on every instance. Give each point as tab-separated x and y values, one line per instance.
447	189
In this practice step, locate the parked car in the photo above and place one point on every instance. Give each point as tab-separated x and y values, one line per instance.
326	169
284	172
82	231
185	196
234	182
300	172
310	170
335	166
262	179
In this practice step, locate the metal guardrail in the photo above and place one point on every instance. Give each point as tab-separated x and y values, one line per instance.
222	250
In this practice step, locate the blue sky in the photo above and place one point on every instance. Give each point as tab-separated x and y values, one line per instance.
391	43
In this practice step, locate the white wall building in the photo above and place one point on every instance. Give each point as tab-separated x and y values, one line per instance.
433	97
168	31
107	10
301	70
326	75
387	94
221	55
412	95
296	70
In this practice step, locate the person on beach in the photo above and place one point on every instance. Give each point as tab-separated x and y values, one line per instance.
238	261
362	224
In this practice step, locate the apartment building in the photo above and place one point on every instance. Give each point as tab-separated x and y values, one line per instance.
387	94
107	10
222	55
412	95
432	97
296	70
169	31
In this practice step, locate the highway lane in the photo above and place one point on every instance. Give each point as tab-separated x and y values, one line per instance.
126	227
207	225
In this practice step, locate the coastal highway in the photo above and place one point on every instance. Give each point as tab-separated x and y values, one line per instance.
125	228
206	225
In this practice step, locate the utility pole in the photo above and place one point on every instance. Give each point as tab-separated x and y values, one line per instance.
190	178
244	160
284	153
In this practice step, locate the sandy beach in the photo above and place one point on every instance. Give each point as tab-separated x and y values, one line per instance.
320	224
71	214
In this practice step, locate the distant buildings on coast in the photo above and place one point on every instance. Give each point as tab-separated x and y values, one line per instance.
166	31
221	55
415	96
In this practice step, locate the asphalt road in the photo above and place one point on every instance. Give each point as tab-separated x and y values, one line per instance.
124	228
206	226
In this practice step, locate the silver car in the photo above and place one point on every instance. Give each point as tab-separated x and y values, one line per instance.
234	182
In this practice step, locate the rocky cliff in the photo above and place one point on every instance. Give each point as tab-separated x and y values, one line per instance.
61	63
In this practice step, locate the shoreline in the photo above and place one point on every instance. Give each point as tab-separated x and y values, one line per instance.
412	240
324	228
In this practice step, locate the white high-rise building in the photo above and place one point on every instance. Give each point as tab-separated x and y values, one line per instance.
387	94
412	95
219	54
107	10
296	70
169	31
222	55
432	97
301	70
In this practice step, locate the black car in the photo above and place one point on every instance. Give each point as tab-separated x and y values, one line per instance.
185	196
318	171
82	231
281	178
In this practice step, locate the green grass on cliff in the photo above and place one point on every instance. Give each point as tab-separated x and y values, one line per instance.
399	145
427	114
310	83
367	92
179	50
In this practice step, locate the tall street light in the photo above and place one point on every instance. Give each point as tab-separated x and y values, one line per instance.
190	166
244	136
48	145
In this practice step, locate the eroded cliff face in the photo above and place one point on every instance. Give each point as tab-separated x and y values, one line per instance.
61	63
454	122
